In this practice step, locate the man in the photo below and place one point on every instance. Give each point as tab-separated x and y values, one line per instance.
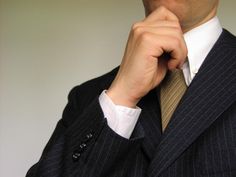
169	110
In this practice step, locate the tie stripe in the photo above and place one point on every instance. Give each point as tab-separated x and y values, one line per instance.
172	90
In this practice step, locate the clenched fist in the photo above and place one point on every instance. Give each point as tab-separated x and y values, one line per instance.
143	66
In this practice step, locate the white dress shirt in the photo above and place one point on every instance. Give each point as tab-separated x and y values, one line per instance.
199	41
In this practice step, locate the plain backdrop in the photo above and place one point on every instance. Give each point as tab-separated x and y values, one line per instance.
46	48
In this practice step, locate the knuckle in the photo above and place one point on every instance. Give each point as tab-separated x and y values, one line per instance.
145	36
135	25
162	9
139	31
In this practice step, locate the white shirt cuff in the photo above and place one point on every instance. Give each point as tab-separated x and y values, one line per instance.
120	119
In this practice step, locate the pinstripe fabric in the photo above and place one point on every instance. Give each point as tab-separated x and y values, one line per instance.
199	141
201	105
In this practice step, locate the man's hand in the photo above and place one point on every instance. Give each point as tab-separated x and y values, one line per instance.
143	66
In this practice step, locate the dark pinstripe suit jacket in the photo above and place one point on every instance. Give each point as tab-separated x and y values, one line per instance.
200	140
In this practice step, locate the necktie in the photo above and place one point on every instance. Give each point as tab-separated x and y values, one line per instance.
171	92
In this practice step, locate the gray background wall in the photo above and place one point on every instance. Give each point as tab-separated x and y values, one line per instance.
46	48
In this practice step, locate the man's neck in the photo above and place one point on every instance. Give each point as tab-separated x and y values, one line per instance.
188	27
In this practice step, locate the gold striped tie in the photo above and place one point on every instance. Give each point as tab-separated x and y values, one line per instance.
172	90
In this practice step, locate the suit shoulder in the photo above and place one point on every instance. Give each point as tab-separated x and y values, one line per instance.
82	95
229	39
96	84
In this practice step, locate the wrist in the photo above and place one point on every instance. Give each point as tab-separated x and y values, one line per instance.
120	97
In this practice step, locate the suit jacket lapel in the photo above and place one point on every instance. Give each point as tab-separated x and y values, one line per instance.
209	95
150	121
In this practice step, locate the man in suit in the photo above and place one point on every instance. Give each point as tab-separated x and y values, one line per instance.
169	110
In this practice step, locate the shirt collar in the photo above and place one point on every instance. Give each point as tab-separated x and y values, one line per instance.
199	42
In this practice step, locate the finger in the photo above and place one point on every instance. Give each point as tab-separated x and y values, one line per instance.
160	23
161	13
158	41
165	31
164	23
156	45
175	64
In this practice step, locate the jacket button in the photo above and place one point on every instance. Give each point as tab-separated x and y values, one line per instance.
82	147
88	137
76	155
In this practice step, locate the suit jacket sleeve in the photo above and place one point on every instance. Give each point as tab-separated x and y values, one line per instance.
82	142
